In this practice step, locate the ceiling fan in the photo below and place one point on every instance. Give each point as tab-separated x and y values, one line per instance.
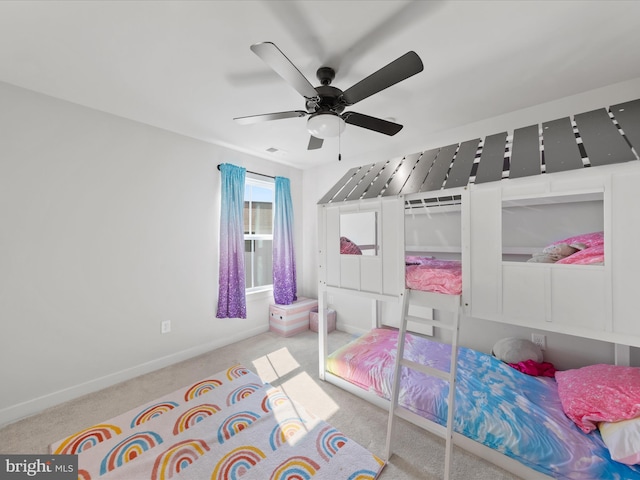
325	104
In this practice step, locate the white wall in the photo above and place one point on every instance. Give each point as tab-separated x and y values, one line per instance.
108	228
565	350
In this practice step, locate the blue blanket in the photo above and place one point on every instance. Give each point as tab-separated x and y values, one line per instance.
519	415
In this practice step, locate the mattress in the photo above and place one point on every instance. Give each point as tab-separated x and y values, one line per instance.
430	274
519	415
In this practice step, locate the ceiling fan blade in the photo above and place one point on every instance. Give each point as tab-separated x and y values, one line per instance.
400	69
269	116
277	60
315	143
372	123
301	26
407	16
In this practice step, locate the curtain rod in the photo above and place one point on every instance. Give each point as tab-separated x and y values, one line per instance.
255	173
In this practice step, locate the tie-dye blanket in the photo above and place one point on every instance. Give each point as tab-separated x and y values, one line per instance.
228	426
517	414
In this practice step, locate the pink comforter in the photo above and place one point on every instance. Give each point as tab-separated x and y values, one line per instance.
433	275
592	253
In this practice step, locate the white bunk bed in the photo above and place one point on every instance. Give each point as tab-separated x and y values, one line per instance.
445	242
461	182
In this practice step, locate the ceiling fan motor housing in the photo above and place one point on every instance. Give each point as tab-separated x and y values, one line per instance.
330	97
330	100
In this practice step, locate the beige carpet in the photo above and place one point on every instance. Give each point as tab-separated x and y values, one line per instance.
291	363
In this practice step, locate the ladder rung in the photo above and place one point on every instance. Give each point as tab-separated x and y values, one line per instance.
431	322
426	369
428	425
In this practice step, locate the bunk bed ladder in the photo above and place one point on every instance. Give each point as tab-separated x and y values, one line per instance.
395	410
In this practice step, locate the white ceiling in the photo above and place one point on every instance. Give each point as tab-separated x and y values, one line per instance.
186	66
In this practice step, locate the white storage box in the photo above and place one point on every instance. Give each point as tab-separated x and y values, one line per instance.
331	320
287	320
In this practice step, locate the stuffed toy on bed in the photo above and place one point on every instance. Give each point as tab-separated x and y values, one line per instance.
553	253
523	355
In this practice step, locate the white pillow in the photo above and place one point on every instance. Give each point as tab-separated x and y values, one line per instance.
622	439
516	350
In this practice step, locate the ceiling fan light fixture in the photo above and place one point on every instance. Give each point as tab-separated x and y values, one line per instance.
325	125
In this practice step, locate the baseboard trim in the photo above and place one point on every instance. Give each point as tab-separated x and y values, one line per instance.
351	329
31	407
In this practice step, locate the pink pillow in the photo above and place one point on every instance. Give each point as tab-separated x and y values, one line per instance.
347	247
587	256
599	393
589	239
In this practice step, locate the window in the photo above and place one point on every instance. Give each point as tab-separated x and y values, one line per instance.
258	234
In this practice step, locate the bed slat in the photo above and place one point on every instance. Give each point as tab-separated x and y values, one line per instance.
366	181
352	183
449	303
338	186
432	427
462	164
383	178
561	151
440	167
431	323
426	369
420	172
525	155
402	175
628	117
595	138
492	158
601	139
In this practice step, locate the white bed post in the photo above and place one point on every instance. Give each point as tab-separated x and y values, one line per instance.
622	354
375	313
322	331
322	291
453	368
397	368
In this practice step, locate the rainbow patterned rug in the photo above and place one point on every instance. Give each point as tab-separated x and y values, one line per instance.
228	426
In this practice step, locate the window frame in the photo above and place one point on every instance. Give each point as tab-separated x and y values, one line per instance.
268	184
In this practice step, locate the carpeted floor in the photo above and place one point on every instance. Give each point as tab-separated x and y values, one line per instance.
291	363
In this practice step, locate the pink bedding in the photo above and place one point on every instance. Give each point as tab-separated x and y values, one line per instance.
519	415
432	275
587	239
347	247
599	393
588	256
591	249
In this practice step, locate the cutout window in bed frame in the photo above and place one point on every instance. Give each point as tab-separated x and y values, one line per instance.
361	229
529	224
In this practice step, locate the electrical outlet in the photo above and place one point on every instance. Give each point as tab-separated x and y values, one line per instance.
540	340
165	326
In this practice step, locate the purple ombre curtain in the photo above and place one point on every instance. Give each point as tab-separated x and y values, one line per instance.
231	298
284	261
